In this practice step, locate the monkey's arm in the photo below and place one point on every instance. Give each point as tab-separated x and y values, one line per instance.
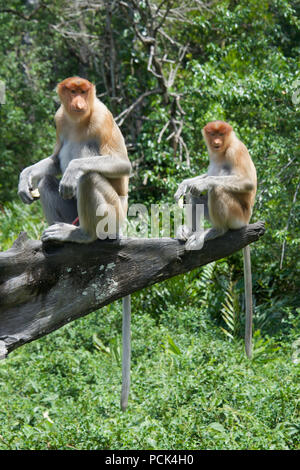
233	183
183	188
109	166
31	176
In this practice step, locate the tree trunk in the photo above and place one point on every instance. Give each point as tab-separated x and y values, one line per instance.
43	287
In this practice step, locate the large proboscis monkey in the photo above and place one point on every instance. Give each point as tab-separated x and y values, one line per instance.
91	155
231	185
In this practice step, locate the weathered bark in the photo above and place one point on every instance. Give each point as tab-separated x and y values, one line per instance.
43	287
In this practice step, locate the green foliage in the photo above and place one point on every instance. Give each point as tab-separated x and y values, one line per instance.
189	391
16	218
192	388
230	312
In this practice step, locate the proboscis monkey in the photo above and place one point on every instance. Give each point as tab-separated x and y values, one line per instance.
231	184
91	155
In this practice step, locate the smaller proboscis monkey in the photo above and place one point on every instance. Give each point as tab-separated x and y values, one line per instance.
91	155
231	186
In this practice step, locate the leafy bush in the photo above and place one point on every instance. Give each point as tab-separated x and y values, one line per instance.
189	391
192	387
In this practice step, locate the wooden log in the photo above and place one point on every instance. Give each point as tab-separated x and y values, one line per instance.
45	286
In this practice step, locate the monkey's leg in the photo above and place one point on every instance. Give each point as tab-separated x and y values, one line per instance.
101	211
96	200
185	231
55	208
197	200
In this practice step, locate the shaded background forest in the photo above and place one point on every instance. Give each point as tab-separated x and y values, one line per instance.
165	68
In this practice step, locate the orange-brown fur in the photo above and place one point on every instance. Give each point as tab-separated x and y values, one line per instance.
231	184
96	123
91	156
229	209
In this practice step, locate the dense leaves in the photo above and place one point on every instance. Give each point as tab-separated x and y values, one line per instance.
225	59
191	389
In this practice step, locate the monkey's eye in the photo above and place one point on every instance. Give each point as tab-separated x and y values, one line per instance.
83	91
73	92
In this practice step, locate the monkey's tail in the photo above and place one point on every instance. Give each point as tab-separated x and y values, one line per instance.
248	300
126	351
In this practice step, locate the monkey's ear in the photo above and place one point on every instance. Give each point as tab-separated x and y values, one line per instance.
61	86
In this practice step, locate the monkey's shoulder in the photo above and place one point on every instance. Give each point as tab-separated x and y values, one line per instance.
101	115
237	149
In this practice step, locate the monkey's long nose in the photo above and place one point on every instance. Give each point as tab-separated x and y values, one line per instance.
217	143
79	104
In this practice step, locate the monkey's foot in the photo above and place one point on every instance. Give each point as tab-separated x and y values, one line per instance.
195	241
183	233
65	233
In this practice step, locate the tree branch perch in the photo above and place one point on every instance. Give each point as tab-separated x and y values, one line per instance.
43	287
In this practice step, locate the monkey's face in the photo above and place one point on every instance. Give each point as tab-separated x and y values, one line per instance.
77	100
75	94
216	135
217	141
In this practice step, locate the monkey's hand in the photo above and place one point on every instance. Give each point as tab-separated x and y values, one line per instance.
27	182
182	189
69	181
196	189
